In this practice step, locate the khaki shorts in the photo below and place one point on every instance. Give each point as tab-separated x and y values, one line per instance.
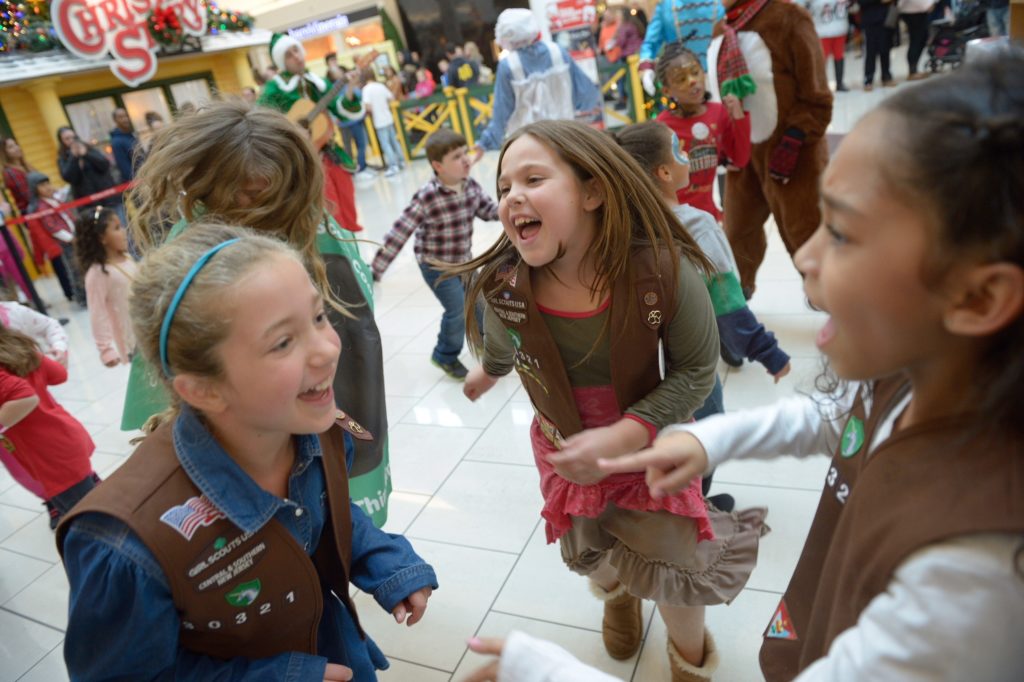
657	555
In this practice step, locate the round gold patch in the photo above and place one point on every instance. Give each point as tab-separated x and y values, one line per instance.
650	298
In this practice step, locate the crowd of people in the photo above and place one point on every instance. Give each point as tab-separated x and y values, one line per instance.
233	281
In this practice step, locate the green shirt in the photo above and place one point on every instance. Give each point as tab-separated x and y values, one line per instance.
691	352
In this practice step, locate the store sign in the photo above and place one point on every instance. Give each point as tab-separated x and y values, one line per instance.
317	28
571	23
91	29
565	15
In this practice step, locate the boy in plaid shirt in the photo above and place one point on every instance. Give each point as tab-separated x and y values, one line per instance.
441	214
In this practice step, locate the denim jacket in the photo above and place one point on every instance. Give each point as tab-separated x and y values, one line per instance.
122	620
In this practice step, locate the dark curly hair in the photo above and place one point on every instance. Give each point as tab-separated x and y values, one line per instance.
671	53
92	223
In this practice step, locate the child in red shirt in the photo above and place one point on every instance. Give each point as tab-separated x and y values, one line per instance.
50	445
707	131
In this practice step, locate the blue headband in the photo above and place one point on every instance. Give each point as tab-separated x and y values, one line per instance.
165	328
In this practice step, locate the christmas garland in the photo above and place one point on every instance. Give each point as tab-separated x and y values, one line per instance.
26	26
165	27
224	20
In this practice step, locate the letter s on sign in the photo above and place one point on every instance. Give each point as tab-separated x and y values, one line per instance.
79	27
134	61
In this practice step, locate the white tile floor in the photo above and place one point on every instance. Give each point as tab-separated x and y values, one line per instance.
466	489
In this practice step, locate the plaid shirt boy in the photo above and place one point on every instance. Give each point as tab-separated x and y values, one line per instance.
443	222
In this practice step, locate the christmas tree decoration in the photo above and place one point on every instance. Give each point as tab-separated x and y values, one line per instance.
26	26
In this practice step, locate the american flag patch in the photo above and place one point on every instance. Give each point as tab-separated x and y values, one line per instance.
190	516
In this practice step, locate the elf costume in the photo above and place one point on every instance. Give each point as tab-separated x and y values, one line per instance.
284	90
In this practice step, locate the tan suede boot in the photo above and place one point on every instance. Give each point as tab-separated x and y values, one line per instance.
682	671
623	625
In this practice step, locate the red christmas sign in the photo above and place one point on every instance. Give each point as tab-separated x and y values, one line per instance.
91	29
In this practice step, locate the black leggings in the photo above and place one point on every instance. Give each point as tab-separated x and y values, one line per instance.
917	28
63	276
877	43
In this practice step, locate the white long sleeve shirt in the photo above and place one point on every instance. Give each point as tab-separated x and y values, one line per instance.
45	331
953	610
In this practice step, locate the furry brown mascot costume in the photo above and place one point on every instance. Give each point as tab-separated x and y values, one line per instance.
787	95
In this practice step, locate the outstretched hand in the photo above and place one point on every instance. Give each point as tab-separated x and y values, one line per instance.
670	463
337	673
411	609
576	461
734	106
783	372
476	155
491	646
477	383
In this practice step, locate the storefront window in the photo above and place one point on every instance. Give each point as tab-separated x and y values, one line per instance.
92	115
93	119
196	92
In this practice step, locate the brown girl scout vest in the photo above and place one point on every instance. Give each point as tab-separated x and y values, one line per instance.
635	330
925	484
238	594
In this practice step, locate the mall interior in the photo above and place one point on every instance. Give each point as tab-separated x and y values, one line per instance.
461	484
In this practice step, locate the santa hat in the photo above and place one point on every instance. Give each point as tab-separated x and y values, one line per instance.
516	28
281	43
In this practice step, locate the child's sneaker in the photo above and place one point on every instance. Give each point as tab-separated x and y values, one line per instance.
454	369
391	172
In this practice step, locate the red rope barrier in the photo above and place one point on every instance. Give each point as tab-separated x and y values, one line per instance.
103	194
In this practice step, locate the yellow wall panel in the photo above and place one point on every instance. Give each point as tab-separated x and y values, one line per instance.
40	143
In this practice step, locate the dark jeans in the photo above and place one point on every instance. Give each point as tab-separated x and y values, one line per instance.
452	296
917	29
63	502
60	268
877	43
715	404
357	131
74	274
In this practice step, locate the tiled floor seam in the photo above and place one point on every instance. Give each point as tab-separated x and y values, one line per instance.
490	608
422	665
441	485
31	620
29	671
458	544
29	556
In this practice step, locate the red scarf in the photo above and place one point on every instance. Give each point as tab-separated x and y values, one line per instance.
733	75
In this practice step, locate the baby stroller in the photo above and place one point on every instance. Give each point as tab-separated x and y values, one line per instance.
948	37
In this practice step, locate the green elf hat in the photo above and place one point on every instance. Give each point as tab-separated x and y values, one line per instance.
281	43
